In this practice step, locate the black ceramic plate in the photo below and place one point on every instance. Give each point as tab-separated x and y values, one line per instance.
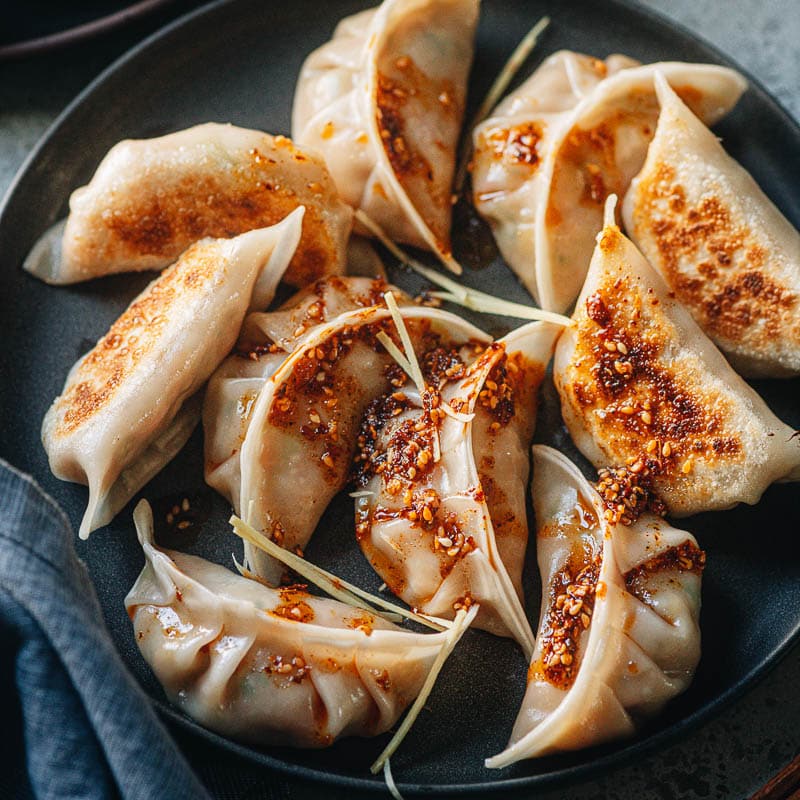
41	25
238	62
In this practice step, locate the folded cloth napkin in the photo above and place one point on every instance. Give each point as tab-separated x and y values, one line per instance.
87	727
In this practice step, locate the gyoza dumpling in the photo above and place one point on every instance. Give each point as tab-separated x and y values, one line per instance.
543	168
126	407
266	341
270	666
618	631
151	198
304	425
642	388
718	241
426	526
383	102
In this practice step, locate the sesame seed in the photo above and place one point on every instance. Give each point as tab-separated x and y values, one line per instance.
327	460
652	445
622	348
687	467
575	608
627	410
445	541
314	417
566	659
185	504
647	418
170	518
183	524
610	346
427	514
453	551
585	619
666	450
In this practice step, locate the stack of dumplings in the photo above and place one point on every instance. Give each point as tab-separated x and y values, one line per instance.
354	384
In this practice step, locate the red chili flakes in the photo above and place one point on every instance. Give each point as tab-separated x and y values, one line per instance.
569	615
627	493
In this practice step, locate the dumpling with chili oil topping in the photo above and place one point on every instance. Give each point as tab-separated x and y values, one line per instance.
543	167
721	245
643	389
151	198
618	631
266	341
129	405
383	102
304	426
270	666
449	531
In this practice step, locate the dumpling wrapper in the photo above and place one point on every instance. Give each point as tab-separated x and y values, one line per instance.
383	101
643	388
303	429
624	601
127	406
718	241
266	341
150	199
446	534
270	666
542	170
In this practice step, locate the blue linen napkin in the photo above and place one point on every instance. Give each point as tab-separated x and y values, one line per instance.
87	727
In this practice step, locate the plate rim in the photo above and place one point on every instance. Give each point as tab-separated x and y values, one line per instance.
628	749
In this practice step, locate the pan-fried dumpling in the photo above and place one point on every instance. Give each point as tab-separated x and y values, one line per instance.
644	390
303	429
718	241
542	170
267	340
428	527
383	102
618	631
125	409
151	198
270	666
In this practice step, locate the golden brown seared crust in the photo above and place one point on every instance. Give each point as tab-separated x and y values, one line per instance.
591	153
224	204
655	417
131	337
734	298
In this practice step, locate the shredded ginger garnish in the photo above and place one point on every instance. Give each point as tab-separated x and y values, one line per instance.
409	363
458	293
496	91
337	588
461	622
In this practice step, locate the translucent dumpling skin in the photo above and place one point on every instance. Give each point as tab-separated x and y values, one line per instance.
618	632
270	666
447	532
574	133
383	102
